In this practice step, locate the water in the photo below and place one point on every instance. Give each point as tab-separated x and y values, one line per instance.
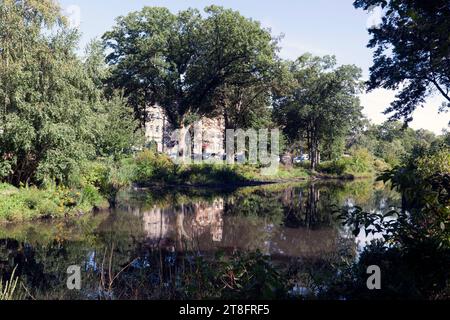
175	244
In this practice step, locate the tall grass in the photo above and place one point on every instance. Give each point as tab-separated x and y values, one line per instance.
8	289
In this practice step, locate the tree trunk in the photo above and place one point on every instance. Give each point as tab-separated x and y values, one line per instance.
314	153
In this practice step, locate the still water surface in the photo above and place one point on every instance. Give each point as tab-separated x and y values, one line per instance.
145	249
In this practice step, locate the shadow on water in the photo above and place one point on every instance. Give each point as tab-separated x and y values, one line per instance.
274	241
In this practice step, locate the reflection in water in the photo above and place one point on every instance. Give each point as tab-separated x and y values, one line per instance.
187	222
155	237
219	224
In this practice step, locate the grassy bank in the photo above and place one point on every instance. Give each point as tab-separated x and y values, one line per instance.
149	168
31	203
97	183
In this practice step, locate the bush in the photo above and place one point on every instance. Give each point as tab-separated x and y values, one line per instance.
103	178
359	163
91	173
90	196
434	163
153	167
332	167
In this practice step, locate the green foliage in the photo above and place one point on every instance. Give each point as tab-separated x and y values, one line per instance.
31	203
436	163
153	167
119	133
105	177
323	108
209	174
194	59
407	274
424	215
411	50
116	131
361	162
414	250
424	182
242	276
381	166
391	141
53	114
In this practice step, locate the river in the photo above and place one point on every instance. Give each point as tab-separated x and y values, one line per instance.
167	243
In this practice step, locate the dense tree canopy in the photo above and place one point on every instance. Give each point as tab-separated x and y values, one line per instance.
51	109
186	62
324	107
390	141
412	52
57	110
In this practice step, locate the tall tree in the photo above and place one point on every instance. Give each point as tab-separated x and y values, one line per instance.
324	107
412	52
183	62
51	110
116	130
249	105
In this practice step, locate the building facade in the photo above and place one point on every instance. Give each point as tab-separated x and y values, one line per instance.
155	126
159	131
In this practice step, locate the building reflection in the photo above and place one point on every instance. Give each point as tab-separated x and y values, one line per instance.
188	222
210	217
207	226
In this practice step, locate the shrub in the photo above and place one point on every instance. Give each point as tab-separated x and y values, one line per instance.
151	167
437	162
359	163
90	196
103	178
90	173
332	167
29	203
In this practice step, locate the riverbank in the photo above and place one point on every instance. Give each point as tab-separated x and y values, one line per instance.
216	228
98	182
223	176
31	203
150	169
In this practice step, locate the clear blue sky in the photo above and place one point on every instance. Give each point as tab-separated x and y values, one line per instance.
317	26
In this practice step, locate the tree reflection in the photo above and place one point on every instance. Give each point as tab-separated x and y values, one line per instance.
182	245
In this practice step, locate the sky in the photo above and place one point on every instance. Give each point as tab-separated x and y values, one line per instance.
321	27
